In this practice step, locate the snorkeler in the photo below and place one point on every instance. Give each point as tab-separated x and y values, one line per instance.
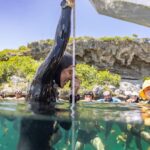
54	72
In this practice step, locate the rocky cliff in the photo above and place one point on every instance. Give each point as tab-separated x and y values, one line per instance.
127	57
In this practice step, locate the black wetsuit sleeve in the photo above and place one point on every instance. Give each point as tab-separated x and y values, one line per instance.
48	68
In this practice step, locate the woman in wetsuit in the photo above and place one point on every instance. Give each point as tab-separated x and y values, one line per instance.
55	71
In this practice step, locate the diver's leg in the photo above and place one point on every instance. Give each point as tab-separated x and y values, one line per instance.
128	140
32	132
97	143
108	128
79	146
56	136
138	143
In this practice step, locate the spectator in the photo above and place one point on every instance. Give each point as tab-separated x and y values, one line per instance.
2	95
145	91
108	98
19	95
134	98
88	96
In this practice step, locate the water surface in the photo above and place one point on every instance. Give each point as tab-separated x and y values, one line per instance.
89	126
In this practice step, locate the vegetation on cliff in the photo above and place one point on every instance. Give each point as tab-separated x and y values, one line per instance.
90	77
22	66
25	67
22	63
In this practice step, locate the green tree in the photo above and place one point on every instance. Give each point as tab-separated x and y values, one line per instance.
90	77
107	78
87	74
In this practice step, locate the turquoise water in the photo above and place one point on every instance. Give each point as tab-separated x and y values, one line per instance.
90	126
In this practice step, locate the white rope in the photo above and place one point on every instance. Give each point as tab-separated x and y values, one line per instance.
73	78
73	55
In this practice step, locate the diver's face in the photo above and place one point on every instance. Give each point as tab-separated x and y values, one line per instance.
107	97
65	76
147	93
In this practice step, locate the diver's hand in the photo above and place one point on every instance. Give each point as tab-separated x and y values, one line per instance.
70	3
77	85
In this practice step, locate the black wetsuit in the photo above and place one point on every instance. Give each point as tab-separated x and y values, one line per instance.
44	86
35	134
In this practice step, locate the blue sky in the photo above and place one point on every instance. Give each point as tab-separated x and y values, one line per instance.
24	21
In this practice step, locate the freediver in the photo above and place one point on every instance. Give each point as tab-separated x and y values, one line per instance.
54	72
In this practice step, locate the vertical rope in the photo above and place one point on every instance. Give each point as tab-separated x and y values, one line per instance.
73	78
73	55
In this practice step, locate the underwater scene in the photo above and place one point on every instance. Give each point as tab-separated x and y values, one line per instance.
89	126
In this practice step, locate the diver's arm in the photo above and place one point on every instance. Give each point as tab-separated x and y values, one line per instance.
48	68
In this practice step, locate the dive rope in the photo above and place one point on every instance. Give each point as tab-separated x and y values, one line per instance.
73	78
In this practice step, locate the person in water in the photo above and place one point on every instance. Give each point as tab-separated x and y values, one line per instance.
55	71
108	98
134	98
88	97
145	91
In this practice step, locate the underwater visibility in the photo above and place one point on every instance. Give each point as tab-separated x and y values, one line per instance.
90	126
